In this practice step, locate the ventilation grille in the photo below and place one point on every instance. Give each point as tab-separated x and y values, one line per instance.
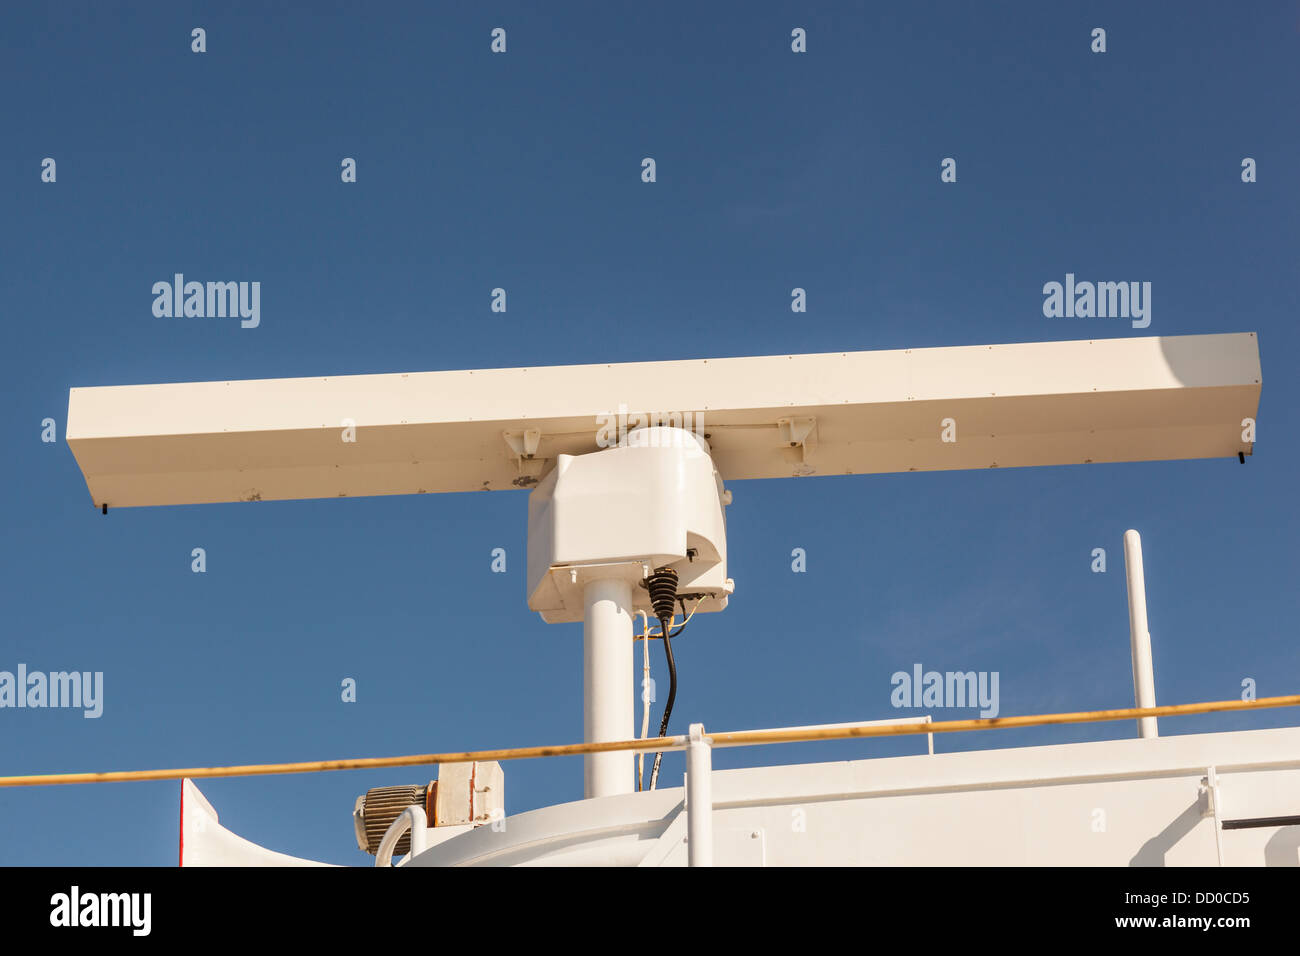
381	806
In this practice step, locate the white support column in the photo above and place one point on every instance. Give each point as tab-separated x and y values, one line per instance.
699	798
1144	685
607	685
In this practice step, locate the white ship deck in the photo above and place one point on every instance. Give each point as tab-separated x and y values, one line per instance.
1139	802
1217	799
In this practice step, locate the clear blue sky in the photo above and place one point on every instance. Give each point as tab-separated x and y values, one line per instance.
522	171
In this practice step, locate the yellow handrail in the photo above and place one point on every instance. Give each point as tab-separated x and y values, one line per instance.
735	738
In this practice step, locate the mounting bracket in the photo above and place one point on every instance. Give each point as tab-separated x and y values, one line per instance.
799	434
523	445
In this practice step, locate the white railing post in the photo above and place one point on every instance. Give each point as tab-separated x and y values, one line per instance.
1144	684
699	798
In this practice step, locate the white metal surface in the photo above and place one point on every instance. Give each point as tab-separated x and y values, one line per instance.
607	712
1144	686
699	798
1047	403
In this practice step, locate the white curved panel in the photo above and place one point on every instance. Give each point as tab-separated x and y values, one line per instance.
205	842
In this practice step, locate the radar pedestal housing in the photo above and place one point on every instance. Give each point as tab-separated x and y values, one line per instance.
656	500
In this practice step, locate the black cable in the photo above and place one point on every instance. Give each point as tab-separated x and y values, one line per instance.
672	682
672	694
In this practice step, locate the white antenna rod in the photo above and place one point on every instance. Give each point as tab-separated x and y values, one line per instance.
1144	684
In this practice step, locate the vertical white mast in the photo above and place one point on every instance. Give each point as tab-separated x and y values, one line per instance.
607	685
1144	685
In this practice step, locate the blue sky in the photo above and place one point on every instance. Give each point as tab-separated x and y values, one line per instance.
522	171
